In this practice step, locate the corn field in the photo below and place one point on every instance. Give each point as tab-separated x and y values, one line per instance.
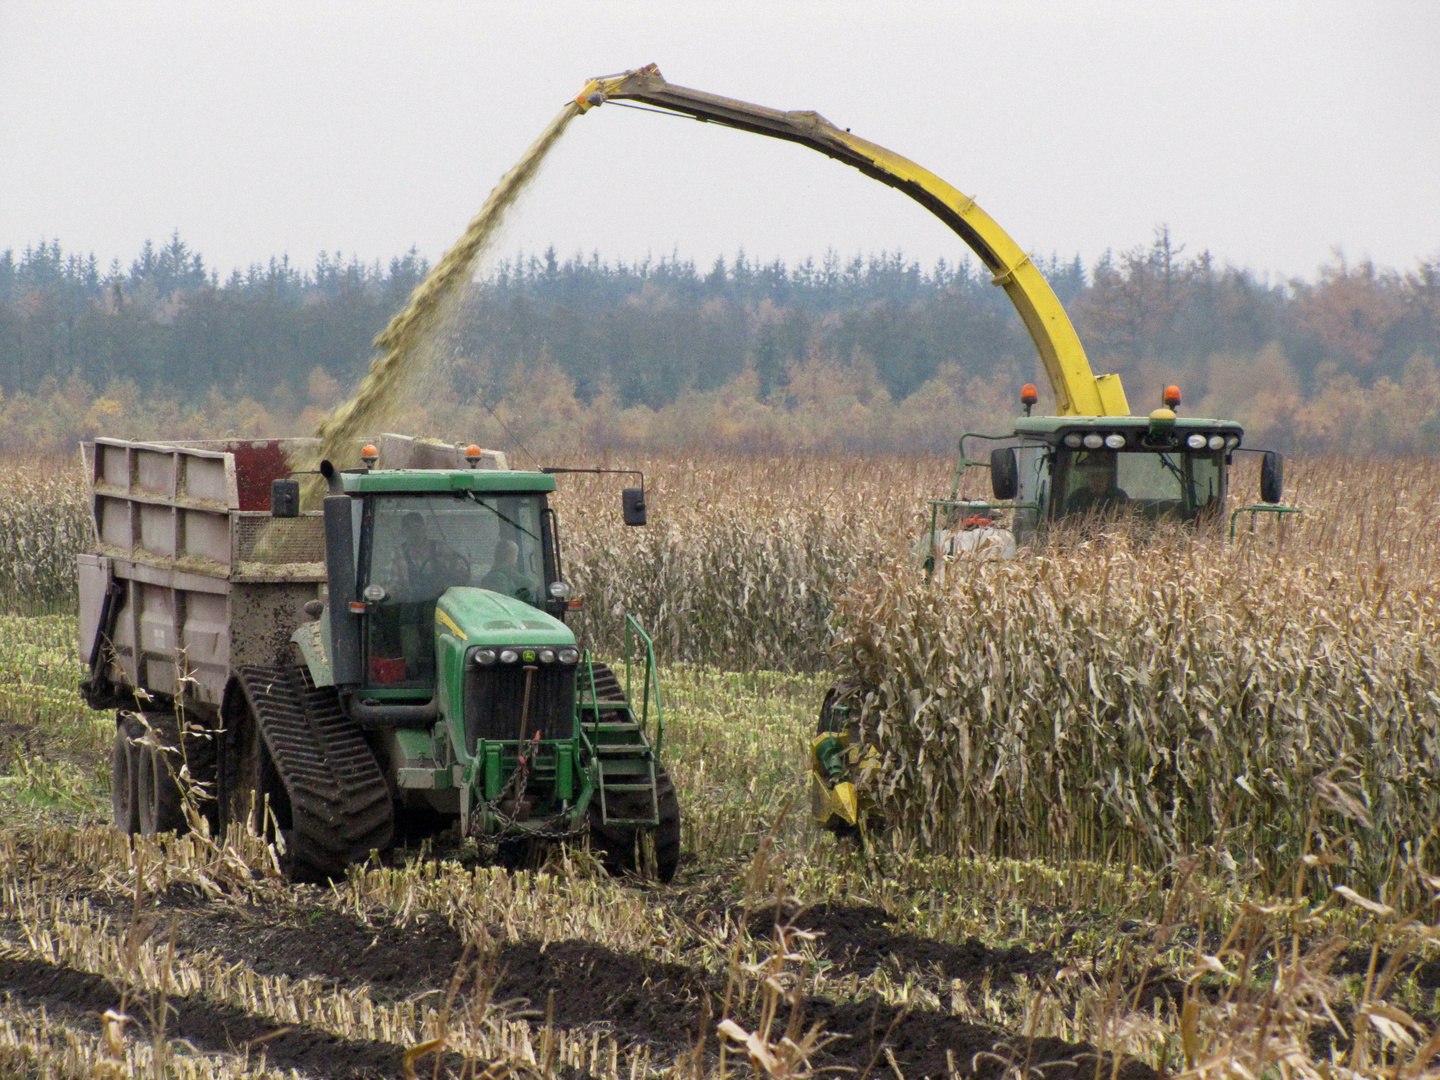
743	557
44	523
1150	698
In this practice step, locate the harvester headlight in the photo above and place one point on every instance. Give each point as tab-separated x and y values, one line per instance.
508	656
1093	442
569	655
1232	442
547	656
559	589
1073	440
374	593
1196	441
1217	442
484	656
1115	440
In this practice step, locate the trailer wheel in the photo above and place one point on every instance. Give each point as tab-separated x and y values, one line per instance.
124	773
161	805
621	847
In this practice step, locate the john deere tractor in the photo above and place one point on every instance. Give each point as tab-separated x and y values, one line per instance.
394	664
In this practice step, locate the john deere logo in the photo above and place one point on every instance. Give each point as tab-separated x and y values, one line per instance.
529	655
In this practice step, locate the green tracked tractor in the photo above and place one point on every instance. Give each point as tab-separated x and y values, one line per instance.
377	671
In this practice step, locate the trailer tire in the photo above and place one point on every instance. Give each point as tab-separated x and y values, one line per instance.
160	802
124	773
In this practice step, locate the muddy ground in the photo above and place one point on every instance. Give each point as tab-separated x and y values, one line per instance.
669	1006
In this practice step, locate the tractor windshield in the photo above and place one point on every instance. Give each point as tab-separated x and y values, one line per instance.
1154	484
417	546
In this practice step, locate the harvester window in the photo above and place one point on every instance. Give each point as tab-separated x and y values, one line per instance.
1094	483
1151	483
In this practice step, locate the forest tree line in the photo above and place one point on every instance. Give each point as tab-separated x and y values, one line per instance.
864	353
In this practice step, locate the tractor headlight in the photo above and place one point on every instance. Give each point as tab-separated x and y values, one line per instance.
569	655
374	593
484	656
1232	442
508	656
1217	442
559	589
547	656
1196	441
1093	442
1073	440
1115	440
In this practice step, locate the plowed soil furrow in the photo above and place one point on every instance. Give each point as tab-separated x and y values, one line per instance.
860	939
208	1026
642	999
662	1004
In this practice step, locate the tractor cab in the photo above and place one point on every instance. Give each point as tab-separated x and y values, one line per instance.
419	542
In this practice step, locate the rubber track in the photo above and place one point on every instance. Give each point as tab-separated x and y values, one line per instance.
340	804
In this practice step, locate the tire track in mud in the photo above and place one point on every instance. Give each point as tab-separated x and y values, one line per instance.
639	998
209	1026
859	939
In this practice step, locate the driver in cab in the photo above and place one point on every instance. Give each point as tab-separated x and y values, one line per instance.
422	565
1093	488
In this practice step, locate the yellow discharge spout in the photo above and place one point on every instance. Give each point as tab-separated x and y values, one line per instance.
1078	391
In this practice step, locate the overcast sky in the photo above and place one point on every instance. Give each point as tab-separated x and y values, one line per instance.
1268	132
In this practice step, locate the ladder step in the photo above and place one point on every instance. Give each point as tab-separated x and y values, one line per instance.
623	767
629	787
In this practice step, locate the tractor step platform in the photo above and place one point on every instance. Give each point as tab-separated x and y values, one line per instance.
638	802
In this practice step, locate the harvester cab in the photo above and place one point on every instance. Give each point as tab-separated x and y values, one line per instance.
378	670
1161	467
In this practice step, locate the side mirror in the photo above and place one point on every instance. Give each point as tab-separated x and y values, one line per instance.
284	498
1004	473
632	505
1272	477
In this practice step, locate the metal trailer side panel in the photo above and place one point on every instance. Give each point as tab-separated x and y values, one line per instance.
204	584
94	579
262	618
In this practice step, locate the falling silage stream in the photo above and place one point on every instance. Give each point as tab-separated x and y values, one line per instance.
406	340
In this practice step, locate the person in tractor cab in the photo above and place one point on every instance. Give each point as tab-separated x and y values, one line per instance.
1093	488
424	566
504	575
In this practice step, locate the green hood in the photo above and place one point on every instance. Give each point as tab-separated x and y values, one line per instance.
483	617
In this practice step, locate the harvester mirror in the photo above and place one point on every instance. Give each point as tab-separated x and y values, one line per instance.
1004	473
284	498
632	505
1272	477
